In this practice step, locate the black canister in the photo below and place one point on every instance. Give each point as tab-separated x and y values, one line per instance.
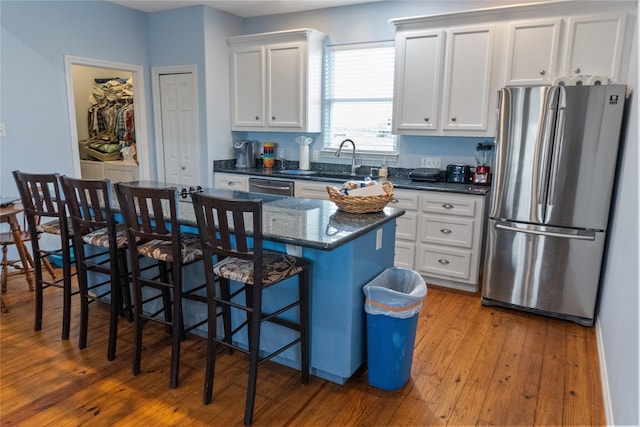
460	174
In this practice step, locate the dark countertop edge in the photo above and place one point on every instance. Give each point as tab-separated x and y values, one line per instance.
391	214
398	182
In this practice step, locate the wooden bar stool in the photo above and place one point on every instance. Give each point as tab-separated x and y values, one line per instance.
90	204
42	200
231	232
153	232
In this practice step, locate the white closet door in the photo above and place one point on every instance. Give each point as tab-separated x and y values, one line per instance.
181	153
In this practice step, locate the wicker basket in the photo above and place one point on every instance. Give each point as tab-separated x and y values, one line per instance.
361	204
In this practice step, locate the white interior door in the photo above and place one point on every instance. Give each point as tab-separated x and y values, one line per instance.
178	117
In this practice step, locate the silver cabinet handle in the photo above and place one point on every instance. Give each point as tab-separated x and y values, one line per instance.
447	206
257	117
577	70
231	183
445	231
443	261
273	117
426	119
453	119
543	72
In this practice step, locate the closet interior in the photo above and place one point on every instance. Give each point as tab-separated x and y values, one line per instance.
105	121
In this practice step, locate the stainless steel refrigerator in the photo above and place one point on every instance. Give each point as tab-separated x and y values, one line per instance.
556	153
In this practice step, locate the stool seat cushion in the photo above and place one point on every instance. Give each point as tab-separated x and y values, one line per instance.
100	237
161	249
276	267
53	227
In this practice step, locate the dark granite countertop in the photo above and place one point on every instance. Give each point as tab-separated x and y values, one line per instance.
310	223
399	180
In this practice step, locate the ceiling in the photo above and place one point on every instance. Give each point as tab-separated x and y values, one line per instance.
243	8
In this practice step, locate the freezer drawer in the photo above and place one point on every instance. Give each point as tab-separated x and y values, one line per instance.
549	270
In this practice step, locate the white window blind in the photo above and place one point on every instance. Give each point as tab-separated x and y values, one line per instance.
359	96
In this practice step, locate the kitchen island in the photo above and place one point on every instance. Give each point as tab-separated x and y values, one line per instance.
346	251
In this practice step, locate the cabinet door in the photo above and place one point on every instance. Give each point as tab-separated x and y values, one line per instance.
247	88
594	45
417	81
532	52
285	93
468	64
311	190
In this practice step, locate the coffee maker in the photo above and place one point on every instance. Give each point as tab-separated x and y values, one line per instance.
484	161
244	154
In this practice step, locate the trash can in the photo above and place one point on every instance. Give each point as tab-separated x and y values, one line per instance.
393	301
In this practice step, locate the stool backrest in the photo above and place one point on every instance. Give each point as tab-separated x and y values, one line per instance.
90	204
150	213
41	198
230	228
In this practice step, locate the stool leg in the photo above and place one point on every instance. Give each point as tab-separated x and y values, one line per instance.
255	314
137	309
212	327
84	299
66	291
37	324
5	268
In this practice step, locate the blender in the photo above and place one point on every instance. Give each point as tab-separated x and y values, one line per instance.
484	161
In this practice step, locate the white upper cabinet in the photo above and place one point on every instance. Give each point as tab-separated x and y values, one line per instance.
468	76
443	81
247	86
533	49
419	57
276	81
595	44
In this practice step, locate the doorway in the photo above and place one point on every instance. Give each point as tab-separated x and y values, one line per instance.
135	72
176	124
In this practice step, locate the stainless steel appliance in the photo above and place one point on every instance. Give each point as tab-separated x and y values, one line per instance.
460	174
271	186
244	154
556	152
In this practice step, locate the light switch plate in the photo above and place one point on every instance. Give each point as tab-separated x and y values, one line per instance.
3	130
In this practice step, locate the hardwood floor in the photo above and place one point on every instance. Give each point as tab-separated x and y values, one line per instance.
472	365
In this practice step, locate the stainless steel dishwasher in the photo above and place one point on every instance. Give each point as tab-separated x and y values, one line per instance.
271	186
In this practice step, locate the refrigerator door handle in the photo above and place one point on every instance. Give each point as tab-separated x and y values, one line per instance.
590	236
546	146
557	146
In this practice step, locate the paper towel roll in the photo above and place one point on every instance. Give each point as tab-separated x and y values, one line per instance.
304	158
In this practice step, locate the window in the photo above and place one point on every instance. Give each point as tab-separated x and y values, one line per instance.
359	97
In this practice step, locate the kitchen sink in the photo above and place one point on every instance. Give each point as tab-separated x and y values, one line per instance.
297	172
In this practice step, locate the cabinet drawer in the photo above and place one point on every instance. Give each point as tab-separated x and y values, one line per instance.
450	231
404	200
449	204
444	262
231	182
407	226
404	254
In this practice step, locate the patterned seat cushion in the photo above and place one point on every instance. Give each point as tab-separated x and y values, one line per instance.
53	227
161	250
277	266
101	237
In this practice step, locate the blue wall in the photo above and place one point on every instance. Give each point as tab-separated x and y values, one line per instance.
34	37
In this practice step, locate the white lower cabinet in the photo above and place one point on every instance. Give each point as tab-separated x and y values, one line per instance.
312	189
441	236
115	171
231	181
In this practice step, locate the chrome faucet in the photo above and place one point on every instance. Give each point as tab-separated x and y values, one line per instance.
353	159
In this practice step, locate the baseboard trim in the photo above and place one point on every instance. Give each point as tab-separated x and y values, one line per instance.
604	378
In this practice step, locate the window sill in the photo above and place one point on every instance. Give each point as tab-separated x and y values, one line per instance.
364	156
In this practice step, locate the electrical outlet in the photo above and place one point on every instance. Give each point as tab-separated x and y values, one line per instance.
3	130
432	162
379	239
